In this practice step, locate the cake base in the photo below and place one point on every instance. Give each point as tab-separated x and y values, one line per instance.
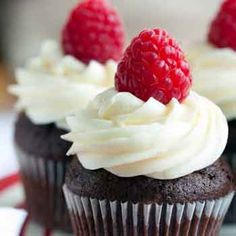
210	183
101	203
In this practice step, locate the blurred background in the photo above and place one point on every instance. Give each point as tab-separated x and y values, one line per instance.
25	23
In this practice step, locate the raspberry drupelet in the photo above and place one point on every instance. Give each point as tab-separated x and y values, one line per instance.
154	66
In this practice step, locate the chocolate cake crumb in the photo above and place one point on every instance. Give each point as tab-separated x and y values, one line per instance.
210	183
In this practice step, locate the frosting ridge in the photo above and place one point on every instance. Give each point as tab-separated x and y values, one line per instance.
214	73
128	137
53	86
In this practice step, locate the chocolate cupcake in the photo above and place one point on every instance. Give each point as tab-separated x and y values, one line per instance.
214	70
54	85
148	151
191	205
41	155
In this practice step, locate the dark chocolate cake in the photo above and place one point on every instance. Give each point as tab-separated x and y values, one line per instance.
230	157
210	183
231	145
41	140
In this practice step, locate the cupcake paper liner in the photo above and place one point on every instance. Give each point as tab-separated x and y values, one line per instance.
230	217
91	216
43	180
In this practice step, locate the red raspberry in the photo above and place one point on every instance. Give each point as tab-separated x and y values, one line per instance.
223	28
154	66
94	31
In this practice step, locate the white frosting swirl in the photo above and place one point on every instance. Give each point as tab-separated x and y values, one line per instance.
53	86
129	137
214	73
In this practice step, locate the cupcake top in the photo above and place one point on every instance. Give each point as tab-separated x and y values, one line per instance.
151	123
214	62
63	79
52	86
214	73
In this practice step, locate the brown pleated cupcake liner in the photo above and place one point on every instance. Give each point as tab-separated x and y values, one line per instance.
230	217
43	180
91	216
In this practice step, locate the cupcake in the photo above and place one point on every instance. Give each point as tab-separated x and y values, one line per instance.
148	150
214	72
55	84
